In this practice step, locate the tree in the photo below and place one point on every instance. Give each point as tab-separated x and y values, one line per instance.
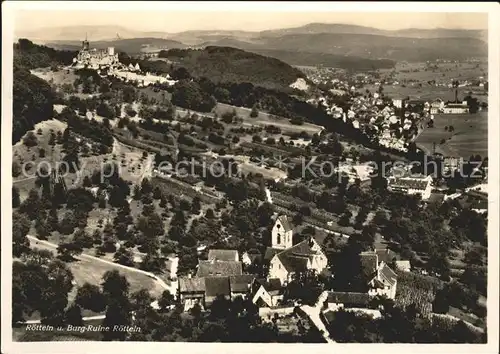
124	256
74	315
210	214
16	169
441	302
89	297
166	300
117	314
114	285
16	200
304	287
254	112
67	251
30	140
20	228
196	205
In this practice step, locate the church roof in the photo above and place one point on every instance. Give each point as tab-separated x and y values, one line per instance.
295	258
283	219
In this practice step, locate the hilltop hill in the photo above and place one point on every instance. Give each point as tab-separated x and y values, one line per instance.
313	43
226	64
376	46
317	28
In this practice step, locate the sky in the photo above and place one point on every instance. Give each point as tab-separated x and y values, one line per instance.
165	20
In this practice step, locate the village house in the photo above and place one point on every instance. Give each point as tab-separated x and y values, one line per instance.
437	106
398	101
382	279
267	292
204	290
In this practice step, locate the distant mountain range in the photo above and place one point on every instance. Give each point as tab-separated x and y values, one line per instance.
314	39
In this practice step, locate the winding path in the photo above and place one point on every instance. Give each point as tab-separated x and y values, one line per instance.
172	288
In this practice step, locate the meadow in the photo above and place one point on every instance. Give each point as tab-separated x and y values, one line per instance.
470	135
264	119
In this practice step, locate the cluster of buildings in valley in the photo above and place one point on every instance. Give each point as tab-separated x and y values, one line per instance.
222	274
107	63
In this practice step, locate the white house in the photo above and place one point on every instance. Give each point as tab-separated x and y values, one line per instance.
412	185
437	106
267	293
456	108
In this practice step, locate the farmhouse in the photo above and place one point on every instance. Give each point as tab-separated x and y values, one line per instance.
204	290
412	185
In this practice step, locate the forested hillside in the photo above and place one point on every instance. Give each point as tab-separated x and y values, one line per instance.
32	96
29	55
226	64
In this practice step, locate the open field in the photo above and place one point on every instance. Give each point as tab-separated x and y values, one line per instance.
264	119
428	92
91	271
30	158
57	78
443	72
470	135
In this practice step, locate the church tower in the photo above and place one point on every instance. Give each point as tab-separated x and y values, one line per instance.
85	43
282	233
